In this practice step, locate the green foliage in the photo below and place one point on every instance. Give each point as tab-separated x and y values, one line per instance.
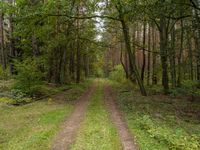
118	74
37	123
157	123
19	97
155	89
177	140
188	88
98	72
6	100
4	74
28	78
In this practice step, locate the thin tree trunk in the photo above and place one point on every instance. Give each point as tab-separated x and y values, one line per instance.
78	53
127	64
3	57
180	56
130	53
149	56
172	59
163	52
12	45
143	52
154	76
122	63
72	64
190	54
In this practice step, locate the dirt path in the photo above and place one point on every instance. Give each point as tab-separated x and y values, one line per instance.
70	127
118	120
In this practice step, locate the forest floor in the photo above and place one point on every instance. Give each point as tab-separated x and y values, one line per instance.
160	122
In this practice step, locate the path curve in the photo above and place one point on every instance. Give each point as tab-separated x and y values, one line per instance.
70	127
117	118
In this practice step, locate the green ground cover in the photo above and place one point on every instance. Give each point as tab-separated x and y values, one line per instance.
33	126
160	122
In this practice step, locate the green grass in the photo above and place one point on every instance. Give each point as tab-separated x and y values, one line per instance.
97	131
34	126
160	122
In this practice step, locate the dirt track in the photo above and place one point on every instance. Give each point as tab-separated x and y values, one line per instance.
117	118
70	127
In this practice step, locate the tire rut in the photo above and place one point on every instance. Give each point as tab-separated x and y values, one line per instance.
70	127
127	140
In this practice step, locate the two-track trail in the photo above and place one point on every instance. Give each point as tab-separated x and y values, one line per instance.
70	127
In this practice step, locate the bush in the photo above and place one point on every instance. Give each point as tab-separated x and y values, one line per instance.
28	78
20	97
118	74
155	89
4	74
188	88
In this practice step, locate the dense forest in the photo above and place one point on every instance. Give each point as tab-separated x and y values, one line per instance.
145	51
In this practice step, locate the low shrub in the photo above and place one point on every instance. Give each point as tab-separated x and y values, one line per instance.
118	74
4	74
176	139
19	97
155	89
188	88
28	78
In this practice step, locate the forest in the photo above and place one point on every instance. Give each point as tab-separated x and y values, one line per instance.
100	74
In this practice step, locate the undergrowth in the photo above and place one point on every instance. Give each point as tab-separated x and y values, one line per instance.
160	122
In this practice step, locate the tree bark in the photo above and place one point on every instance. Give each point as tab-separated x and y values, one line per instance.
173	59
180	56
163	51
135	72
13	52
143	52
149	56
190	54
3	57
154	76
78	53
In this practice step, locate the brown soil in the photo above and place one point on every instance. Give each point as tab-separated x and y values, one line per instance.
117	118
70	127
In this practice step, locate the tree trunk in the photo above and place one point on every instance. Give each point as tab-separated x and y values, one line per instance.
154	76
149	56
122	63
12	46
163	52
180	56
131	58
143	52
35	46
190	54
78	53
72	63
3	57
172	58
198	46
